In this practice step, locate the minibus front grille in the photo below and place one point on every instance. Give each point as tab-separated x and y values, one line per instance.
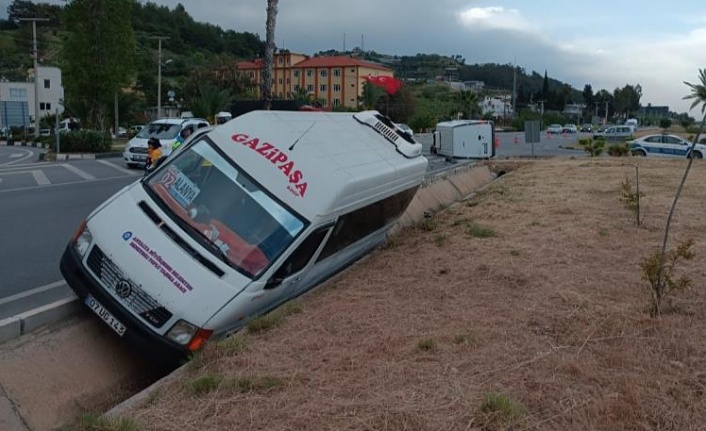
133	298
178	240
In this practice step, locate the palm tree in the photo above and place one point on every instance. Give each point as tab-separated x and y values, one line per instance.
698	93
467	102
209	102
268	66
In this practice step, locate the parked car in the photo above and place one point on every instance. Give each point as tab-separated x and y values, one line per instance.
166	130
587	128
122	132
555	128
665	145
614	133
569	128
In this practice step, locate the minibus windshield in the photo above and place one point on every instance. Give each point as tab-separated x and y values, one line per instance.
241	222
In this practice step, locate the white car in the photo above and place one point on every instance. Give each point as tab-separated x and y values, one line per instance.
555	128
665	145
166	130
569	128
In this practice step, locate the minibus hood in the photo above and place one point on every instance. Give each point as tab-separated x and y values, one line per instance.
141	251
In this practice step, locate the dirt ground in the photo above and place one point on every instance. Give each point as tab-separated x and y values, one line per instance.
520	309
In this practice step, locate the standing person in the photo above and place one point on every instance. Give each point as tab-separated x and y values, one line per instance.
154	152
181	138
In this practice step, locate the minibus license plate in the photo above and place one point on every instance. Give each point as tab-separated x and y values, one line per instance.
105	315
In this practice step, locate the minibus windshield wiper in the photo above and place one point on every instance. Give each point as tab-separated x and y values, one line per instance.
211	245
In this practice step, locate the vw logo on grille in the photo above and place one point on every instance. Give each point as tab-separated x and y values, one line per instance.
123	288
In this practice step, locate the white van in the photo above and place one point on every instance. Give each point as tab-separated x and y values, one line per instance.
465	139
166	130
241	219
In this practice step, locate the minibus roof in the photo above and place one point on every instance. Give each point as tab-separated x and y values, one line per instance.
322	162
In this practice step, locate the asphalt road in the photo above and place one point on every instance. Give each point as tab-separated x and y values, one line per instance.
41	204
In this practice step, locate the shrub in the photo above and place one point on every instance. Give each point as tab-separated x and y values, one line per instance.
665	123
501	407
594	148
619	150
478	231
205	384
661	277
85	141
427	345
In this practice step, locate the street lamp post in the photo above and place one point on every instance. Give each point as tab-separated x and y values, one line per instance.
159	74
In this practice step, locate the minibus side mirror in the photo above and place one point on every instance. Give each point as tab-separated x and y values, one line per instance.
273	282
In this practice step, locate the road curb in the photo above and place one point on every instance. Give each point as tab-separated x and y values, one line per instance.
24	323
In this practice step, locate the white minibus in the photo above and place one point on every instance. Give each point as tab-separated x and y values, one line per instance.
243	218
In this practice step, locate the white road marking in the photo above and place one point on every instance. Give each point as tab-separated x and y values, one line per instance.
31	292
29	154
119	168
40	177
79	172
63	184
14	156
26	165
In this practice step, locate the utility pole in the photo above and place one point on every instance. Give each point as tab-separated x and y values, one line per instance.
35	56
159	74
514	89
606	113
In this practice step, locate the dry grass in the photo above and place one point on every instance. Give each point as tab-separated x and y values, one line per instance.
541	327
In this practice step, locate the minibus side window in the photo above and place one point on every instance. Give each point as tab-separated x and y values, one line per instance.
302	255
362	222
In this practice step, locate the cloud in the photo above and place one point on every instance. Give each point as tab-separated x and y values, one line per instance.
495	18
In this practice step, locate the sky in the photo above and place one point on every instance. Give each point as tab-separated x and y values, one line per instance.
606	44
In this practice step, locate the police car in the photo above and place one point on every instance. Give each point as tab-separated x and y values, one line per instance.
665	145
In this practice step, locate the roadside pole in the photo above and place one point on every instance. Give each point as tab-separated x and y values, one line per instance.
56	129
532	133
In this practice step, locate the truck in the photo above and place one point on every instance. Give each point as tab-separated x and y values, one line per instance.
465	139
242	218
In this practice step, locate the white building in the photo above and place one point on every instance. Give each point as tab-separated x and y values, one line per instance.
497	106
17	98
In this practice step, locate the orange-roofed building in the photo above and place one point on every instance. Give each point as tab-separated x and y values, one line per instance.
336	80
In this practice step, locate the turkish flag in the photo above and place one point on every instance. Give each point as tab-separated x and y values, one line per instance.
389	84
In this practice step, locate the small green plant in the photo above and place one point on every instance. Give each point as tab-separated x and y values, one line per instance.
233	345
603	231
619	150
427	224
515	253
631	198
257	384
662	280
500	407
290	309
535	223
478	231
100	423
594	147
427	345
440	239
461	221
205	384
461	338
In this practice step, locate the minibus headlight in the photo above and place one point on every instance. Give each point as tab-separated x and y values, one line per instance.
191	336
182	332
82	241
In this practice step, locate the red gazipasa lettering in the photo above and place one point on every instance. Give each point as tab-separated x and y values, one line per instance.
276	157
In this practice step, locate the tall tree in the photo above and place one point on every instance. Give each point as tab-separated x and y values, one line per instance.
268	64
97	55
